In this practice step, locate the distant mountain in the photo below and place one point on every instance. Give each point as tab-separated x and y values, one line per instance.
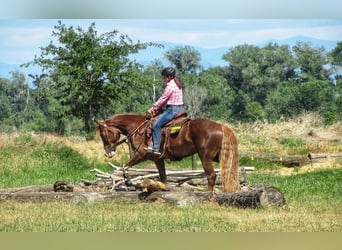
213	57
209	57
327	44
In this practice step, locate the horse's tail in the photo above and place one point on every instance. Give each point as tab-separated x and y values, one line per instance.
229	161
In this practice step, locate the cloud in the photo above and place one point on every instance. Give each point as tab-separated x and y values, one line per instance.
223	33
20	40
19	45
25	37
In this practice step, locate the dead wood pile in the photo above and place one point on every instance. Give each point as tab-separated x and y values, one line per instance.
185	188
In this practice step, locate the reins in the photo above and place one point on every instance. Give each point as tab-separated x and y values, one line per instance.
130	134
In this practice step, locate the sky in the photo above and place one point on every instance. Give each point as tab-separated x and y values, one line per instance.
21	39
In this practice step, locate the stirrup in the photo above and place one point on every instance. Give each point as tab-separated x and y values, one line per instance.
149	149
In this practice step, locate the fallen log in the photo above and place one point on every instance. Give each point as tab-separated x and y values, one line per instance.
70	196
284	160
258	196
322	157
28	189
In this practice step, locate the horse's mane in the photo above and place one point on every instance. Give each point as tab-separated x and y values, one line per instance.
118	118
128	115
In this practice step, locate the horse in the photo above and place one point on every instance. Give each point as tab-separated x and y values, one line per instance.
213	142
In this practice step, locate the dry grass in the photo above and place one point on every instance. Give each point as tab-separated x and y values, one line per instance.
142	217
262	136
91	149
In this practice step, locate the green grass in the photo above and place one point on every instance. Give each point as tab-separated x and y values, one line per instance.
259	164
314	204
308	188
291	141
29	162
294	145
314	199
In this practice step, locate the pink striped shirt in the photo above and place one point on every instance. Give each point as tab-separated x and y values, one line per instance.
172	95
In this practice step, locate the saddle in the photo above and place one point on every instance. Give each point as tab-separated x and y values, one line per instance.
176	124
173	127
170	129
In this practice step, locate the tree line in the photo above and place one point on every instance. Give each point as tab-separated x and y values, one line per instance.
86	75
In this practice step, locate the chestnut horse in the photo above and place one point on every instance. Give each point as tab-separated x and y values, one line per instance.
210	140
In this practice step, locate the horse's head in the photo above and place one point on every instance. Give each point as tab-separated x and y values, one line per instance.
110	137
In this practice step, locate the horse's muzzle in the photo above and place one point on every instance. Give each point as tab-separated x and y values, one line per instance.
109	154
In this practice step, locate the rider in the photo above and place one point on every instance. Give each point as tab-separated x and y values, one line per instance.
172	97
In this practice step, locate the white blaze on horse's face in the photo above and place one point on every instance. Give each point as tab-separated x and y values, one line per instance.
109	154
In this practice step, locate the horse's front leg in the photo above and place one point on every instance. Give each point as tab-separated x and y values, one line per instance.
161	170
133	161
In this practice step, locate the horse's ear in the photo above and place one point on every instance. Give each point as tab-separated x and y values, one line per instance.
97	121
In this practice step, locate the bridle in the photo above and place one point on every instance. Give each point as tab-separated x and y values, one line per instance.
125	139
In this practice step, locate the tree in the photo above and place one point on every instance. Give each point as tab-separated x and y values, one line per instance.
291	99
17	102
335	58
254	72
255	111
186	59
5	103
310	62
335	55
154	71
218	101
193	100
89	72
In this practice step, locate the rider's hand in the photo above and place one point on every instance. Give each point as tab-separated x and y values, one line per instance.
149	113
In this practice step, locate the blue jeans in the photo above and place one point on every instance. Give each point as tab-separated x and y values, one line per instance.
165	117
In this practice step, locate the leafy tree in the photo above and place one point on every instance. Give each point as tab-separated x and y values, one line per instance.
154	71
53	116
88	72
194	96
17	103
336	54
338	94
139	97
220	96
335	58
5	103
254	72
255	111
186	59
291	99
310	62
240	58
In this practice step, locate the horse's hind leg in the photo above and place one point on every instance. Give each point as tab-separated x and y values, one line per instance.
210	172
161	170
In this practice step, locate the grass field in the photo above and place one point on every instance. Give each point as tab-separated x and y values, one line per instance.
313	193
